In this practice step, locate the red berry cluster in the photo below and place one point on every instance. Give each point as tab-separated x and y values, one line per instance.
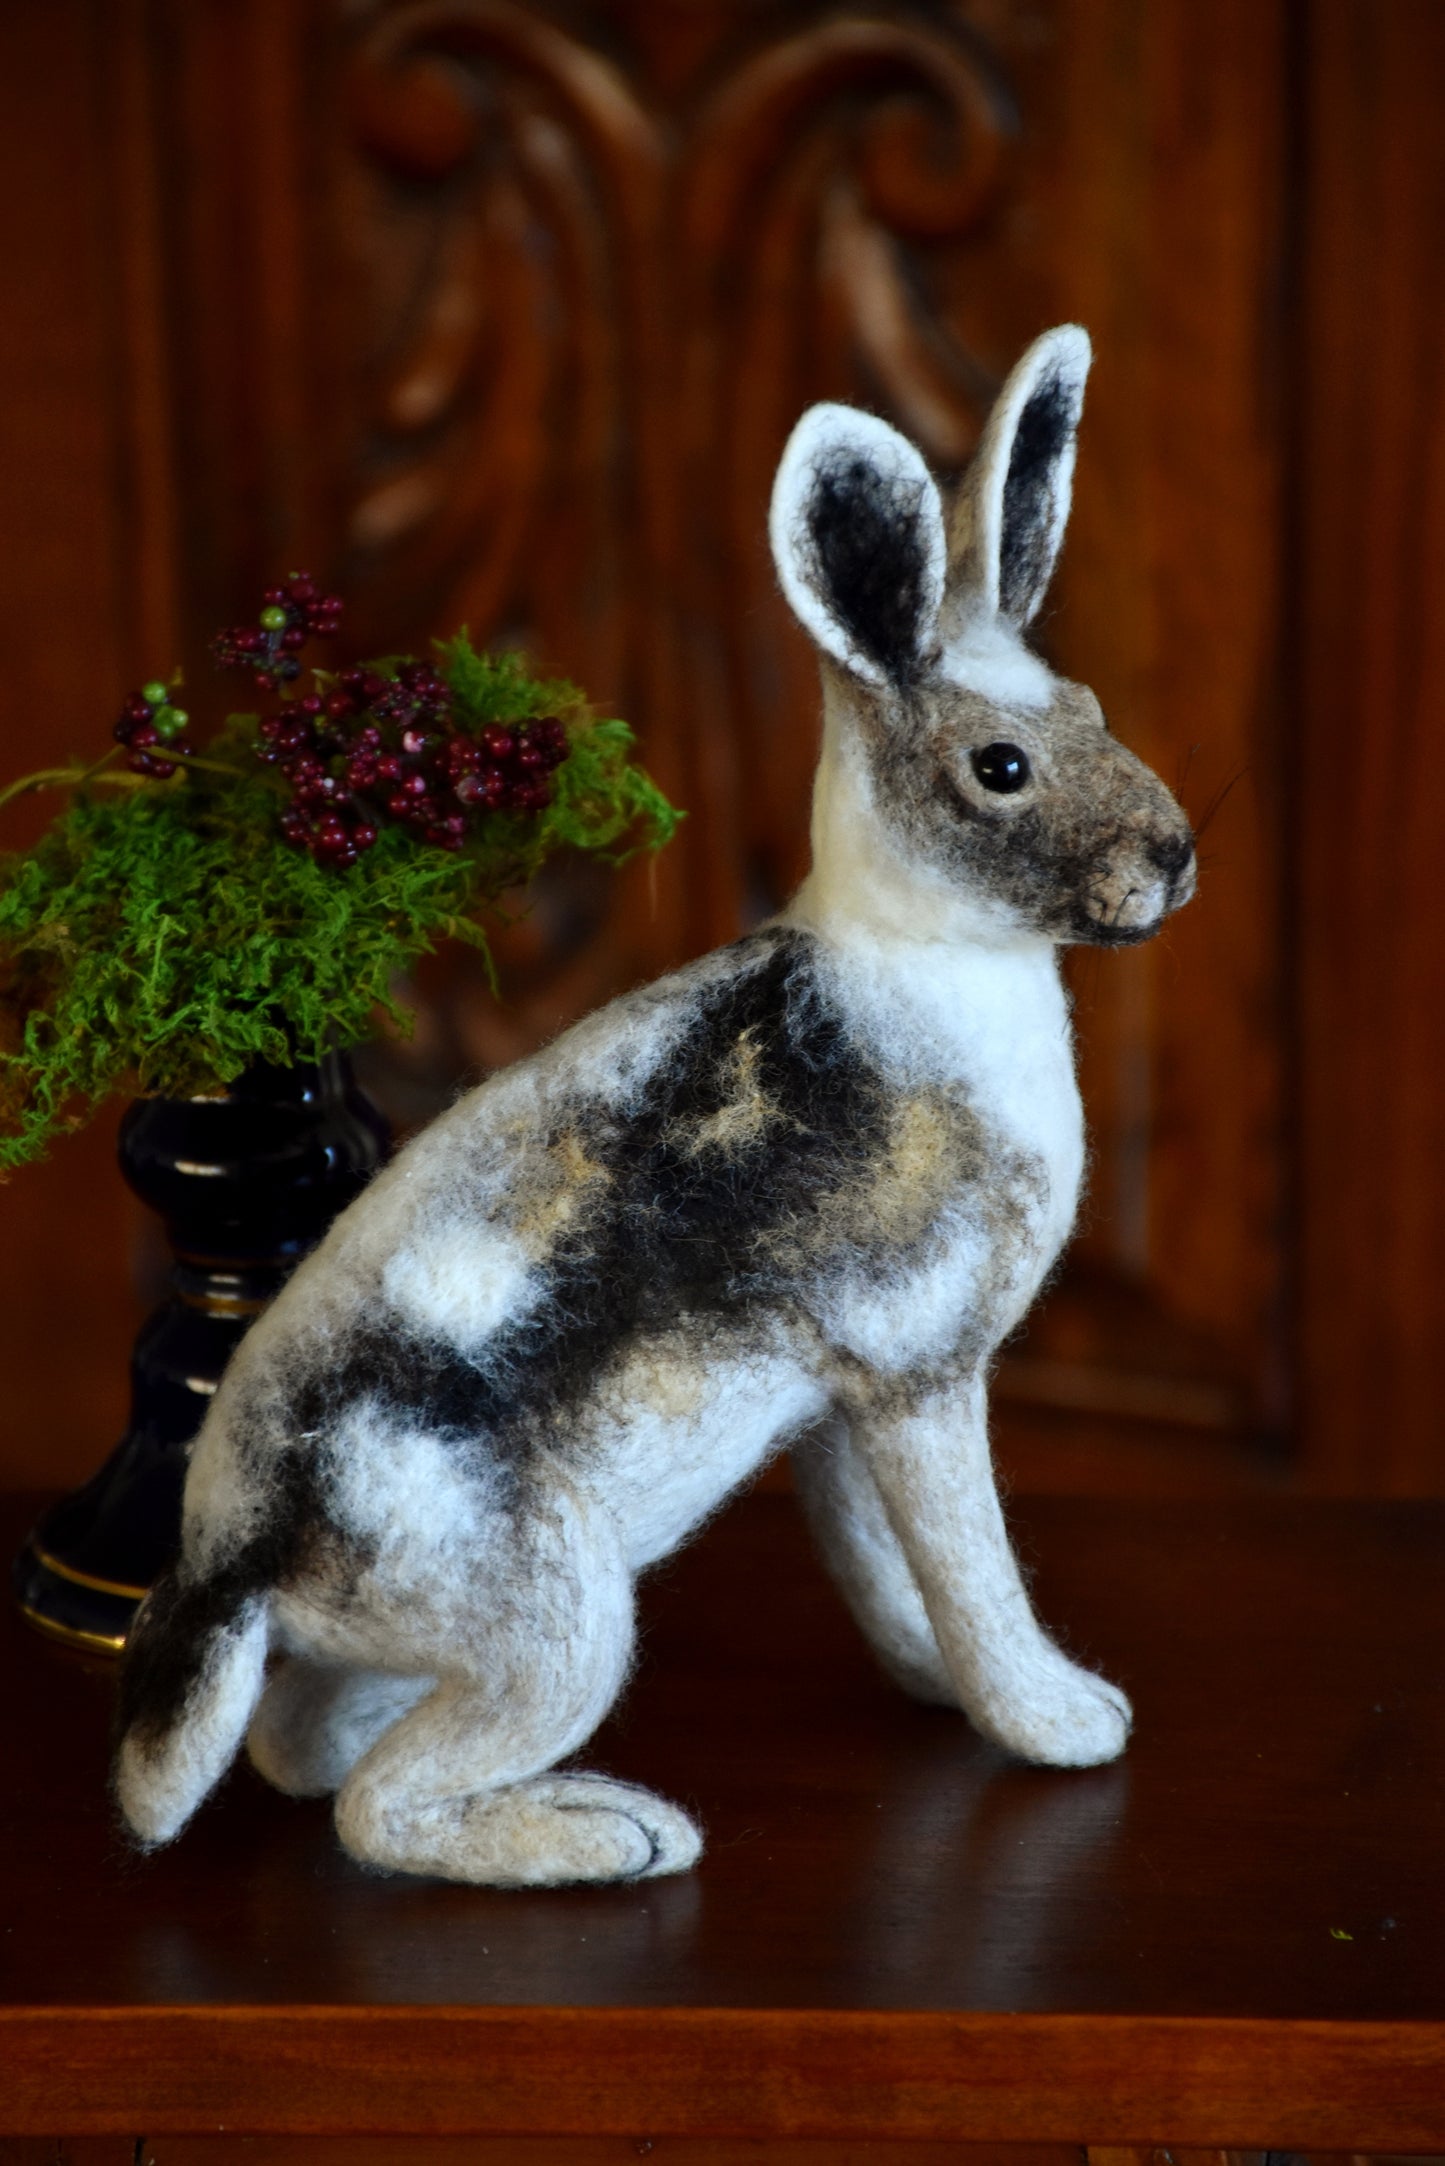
370	748
149	726
291	614
375	748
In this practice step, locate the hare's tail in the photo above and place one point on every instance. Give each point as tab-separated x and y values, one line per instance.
195	1664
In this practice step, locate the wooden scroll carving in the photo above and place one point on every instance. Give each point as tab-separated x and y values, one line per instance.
595	307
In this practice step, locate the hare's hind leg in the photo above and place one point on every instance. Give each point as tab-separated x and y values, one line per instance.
460	1785
429	1799
317	1719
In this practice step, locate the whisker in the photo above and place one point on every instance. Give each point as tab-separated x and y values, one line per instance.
1210	810
1189	752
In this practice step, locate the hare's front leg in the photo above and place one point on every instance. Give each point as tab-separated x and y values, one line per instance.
851	1528
933	1472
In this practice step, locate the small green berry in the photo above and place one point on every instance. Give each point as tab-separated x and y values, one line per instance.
155	694
170	721
273	619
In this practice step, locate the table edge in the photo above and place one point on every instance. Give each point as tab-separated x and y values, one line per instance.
1230	2082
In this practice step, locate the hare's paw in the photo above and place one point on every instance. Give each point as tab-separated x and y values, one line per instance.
554	1831
1055	1713
658	1837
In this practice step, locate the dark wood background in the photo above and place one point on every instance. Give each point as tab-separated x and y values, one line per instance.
501	314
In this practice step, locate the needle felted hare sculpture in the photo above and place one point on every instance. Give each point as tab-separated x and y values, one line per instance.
796	1193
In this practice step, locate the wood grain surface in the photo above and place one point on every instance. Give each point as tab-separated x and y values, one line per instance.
1371	987
184	2150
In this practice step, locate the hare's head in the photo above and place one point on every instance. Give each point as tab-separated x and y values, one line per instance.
963	784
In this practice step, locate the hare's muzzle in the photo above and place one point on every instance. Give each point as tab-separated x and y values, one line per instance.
1174	858
1136	888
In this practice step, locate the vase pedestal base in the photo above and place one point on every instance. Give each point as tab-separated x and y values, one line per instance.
69	1605
247	1181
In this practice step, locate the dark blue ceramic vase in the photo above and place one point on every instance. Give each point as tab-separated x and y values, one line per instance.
246	1182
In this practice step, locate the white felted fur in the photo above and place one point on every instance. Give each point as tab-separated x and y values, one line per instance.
992	660
158	1791
795	1194
932	1470
852	1528
317	1719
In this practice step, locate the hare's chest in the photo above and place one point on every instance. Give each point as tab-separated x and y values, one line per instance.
991	1028
1022	1084
982	1064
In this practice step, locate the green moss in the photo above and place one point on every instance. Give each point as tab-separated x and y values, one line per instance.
160	938
496	687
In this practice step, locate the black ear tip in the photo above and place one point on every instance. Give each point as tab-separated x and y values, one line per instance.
1037	487
1047	422
868	538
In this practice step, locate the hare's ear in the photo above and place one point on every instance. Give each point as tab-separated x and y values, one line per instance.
857	533
1013	503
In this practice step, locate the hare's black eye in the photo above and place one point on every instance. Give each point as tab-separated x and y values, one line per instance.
1001	767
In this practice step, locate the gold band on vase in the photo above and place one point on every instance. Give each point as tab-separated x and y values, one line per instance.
105	1643
87	1579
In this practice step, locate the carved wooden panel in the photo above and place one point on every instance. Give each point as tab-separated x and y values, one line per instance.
597	267
601	272
602	277
501	313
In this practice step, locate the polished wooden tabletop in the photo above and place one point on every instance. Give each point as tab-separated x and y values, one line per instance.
1236	1935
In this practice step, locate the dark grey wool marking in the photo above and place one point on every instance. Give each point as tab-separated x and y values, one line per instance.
1026	557
173	1638
680	1238
868	542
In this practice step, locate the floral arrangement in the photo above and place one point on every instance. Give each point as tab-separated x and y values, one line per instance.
196	907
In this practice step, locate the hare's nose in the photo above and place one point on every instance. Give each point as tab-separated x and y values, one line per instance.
1172	854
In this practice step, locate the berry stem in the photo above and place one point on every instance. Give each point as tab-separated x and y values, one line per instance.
72	777
206	767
